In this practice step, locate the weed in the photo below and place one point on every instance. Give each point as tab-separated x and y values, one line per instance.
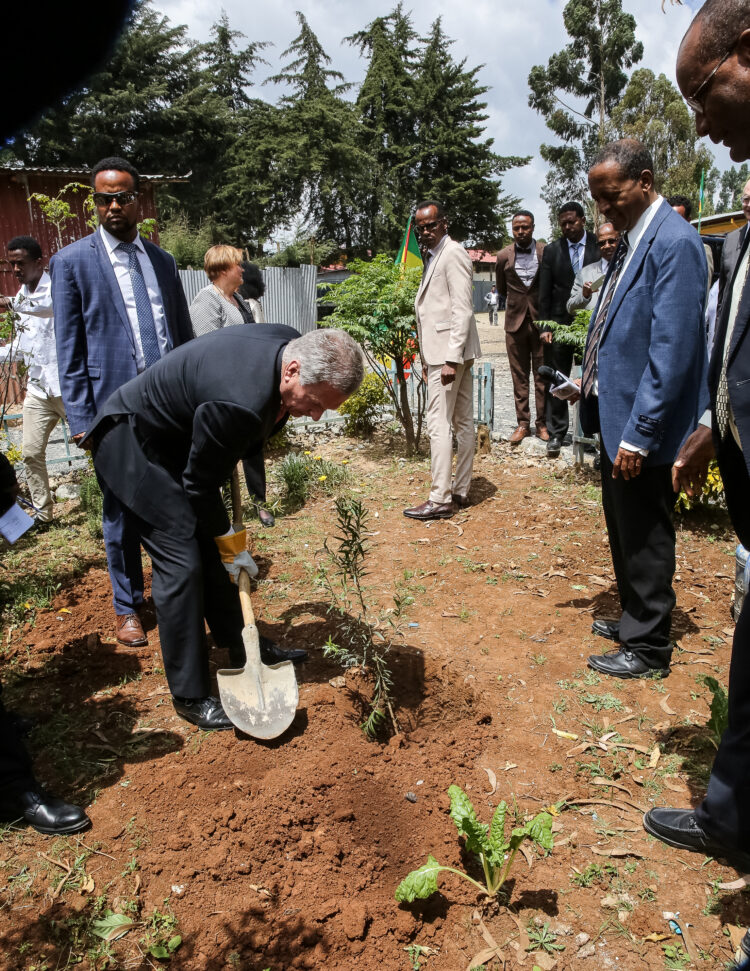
362	408
301	473
544	938
554	767
591	678
606	702
719	720
537	659
560	705
675	957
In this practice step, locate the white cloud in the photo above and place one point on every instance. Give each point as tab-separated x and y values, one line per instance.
508	38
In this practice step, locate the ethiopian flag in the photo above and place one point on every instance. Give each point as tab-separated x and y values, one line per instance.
409	254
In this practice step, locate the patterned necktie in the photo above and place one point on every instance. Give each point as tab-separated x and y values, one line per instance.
722	389
146	325
592	347
576	257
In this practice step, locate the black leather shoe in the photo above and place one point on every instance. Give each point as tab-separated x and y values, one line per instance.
679	827
46	814
206	713
266	518
271	653
624	664
431	510
553	448
607	628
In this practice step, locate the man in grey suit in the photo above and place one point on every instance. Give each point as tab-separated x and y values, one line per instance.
119	308
584	296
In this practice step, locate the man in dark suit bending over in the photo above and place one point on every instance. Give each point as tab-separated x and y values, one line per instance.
165	442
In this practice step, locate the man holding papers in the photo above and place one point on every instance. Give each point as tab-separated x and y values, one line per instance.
589	280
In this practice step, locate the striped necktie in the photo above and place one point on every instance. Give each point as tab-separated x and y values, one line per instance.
146	325
722	389
576	261
590	368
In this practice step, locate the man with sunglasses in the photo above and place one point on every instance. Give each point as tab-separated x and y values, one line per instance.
119	308
448	344
713	73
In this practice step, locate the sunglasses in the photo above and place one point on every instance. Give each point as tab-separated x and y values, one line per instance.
427	227
105	199
694	101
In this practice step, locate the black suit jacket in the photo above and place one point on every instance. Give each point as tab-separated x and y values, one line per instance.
556	278
734	463
166	441
730	252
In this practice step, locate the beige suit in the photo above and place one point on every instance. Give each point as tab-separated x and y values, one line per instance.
448	334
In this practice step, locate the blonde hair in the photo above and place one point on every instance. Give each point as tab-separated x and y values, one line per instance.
220	258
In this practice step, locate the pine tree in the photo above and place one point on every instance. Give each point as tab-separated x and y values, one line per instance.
230	68
591	69
387	114
150	104
454	164
317	141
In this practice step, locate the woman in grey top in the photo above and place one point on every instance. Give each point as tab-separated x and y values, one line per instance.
220	305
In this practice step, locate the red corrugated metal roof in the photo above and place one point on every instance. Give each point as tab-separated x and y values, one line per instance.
481	256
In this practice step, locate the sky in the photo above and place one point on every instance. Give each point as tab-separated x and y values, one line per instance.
507	37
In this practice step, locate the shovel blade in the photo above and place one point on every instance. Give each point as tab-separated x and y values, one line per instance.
261	700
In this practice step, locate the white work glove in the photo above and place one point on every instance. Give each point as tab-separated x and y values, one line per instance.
233	554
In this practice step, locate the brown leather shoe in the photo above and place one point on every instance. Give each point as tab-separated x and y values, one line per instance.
523	431
130	630
541	432
431	510
462	502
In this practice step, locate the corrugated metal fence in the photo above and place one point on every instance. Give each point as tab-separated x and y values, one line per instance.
289	297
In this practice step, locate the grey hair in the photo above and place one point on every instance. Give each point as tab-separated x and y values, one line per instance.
327	356
630	155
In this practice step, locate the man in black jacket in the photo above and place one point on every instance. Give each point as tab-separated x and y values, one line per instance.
166	441
561	261
713	77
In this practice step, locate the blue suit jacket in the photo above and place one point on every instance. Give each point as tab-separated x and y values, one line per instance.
95	344
652	352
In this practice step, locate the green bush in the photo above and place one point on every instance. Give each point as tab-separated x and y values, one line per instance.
301	474
361	410
187	243
91	503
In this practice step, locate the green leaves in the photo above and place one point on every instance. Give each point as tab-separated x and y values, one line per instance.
112	926
463	815
719	719
420	883
165	950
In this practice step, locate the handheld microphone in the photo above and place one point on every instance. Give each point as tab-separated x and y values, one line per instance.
551	376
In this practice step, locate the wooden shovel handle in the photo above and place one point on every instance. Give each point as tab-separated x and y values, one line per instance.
247	607
236	498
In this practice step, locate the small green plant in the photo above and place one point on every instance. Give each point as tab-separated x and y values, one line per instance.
573	335
712	492
719	719
362	408
363	643
91	504
675	957
542	938
489	844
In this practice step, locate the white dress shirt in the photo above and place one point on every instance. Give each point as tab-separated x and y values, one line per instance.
36	340
121	265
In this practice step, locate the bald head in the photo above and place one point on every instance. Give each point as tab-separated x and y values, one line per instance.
713	73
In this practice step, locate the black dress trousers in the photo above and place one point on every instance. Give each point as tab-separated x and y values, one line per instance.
16	774
556	411
639	513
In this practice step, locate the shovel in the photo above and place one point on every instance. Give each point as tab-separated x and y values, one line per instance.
261	700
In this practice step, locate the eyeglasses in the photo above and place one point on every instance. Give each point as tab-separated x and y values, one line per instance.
693	101
427	227
105	199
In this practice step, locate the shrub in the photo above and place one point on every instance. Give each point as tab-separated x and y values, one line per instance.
711	494
361	410
303	473
91	503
